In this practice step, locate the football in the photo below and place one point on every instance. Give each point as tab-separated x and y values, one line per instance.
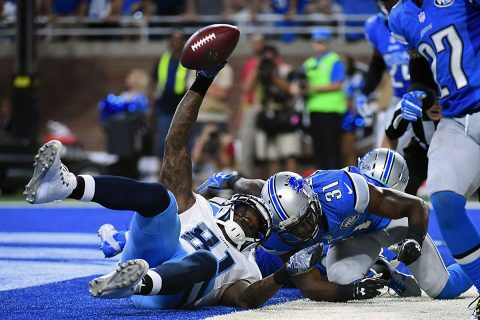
209	46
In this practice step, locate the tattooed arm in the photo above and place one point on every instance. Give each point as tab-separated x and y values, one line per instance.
176	172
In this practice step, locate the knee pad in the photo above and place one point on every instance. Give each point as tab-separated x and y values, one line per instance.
205	261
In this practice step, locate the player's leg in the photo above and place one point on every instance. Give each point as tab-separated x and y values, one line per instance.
429	270
174	284
155	226
350	260
453	175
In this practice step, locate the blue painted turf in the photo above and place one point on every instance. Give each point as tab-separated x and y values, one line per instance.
70	299
30	252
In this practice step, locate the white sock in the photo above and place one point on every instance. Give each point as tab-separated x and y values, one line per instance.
89	191
156	282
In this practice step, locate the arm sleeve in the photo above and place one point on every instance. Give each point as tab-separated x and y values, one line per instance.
374	74
420	73
360	190
397	125
338	72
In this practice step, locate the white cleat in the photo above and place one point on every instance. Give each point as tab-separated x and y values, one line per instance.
51	180
124	282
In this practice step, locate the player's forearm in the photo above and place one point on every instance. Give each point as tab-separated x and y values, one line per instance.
249	186
418	221
256	294
324	290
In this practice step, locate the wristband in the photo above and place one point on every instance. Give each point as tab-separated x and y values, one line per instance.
200	86
231	183
416	233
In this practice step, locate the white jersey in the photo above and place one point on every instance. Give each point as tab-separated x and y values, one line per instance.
199	231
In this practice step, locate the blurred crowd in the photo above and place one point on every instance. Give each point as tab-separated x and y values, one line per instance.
291	118
289	13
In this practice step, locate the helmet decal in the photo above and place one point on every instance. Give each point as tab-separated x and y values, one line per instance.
274	198
296	184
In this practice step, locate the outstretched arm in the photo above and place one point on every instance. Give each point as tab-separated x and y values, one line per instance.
176	172
231	180
245	295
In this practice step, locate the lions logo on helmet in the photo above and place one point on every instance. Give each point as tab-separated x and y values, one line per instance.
294	206
387	166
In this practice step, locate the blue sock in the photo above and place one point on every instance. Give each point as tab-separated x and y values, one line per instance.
201	267
119	193
458	231
458	283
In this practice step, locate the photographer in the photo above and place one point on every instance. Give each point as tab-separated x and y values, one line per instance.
277	138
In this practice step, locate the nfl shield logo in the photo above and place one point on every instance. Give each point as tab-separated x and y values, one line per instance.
421	16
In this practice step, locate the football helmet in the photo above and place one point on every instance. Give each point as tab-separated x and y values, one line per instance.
294	206
234	231
387	166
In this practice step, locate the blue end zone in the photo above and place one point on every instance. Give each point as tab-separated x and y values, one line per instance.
61	219
70	299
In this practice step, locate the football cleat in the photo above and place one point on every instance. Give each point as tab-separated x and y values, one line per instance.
51	180
475	305
112	241
124	282
403	284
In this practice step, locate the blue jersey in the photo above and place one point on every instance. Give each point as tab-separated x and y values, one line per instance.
447	34
344	198
394	53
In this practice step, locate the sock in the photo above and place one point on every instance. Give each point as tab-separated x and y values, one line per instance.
460	234
77	193
151	284
458	282
179	276
119	193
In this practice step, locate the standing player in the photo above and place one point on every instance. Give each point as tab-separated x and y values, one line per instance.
444	41
389	54
194	246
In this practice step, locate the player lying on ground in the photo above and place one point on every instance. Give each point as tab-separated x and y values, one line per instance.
194	247
357	216
373	164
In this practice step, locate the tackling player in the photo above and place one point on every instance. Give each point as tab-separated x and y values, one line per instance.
443	37
194	246
349	211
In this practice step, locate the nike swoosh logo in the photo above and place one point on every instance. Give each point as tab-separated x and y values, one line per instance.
350	191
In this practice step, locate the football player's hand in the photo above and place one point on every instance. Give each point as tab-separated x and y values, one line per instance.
210	74
409	251
219	180
368	288
361	106
412	105
304	260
